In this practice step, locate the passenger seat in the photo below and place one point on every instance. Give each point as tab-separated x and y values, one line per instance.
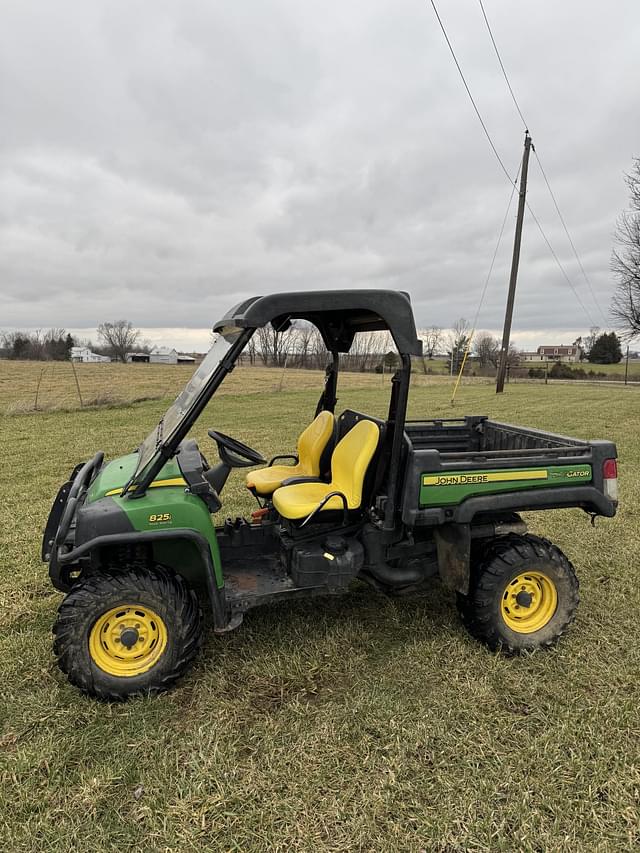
311	445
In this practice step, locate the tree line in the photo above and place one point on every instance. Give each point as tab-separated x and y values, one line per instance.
302	346
41	345
114	339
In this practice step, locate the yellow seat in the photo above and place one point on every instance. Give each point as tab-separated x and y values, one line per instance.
311	443
349	465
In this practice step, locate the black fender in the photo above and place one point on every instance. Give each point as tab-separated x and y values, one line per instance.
60	578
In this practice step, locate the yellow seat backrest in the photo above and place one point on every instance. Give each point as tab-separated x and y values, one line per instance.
313	441
351	459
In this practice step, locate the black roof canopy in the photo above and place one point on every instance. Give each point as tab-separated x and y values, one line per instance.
338	314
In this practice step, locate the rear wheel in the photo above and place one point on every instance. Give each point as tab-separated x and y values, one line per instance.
127	633
523	594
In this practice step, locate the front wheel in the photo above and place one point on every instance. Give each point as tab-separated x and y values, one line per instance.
127	633
523	595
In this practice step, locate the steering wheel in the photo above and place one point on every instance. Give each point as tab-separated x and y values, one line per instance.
234	453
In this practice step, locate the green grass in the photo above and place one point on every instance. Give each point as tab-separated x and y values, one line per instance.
352	724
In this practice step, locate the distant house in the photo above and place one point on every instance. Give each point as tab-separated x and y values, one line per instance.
163	355
84	355
554	353
166	355
133	357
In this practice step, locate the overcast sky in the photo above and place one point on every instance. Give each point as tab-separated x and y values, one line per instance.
161	161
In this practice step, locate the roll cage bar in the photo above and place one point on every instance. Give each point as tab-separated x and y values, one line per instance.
338	315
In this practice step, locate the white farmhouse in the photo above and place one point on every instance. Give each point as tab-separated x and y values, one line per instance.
554	353
84	355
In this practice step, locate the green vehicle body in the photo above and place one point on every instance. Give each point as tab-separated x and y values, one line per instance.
167	504
438	487
456	486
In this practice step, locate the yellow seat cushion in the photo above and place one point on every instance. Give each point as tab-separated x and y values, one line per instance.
299	500
311	443
349	464
267	480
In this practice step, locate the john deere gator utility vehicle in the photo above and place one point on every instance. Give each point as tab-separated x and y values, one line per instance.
134	543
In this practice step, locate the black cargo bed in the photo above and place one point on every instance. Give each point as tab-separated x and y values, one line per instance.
470	436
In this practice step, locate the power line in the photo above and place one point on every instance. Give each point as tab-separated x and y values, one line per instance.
495	253
495	47
546	180
566	231
561	268
484	291
495	150
466	86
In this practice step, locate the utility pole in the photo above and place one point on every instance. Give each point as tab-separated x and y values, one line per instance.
506	334
626	366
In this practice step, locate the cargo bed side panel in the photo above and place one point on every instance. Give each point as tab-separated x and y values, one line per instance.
504	467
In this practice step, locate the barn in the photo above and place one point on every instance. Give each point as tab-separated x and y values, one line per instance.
163	355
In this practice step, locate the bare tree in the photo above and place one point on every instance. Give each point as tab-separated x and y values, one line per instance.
273	345
487	349
458	340
579	342
591	338
317	350
51	345
625	260
431	341
302	333
16	344
460	331
37	347
252	350
367	350
513	356
119	338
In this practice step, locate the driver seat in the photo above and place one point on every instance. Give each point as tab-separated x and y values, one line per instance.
349	464
311	444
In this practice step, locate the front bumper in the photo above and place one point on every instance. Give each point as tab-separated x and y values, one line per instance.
58	535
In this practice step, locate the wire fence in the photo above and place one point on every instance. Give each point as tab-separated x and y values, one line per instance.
32	386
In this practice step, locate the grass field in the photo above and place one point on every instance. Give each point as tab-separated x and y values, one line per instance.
361	723
28	386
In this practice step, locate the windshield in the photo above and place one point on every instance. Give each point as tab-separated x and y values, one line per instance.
185	400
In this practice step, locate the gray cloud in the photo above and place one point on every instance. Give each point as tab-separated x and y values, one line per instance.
161	162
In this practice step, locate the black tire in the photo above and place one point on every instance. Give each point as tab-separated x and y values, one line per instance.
159	592
492	582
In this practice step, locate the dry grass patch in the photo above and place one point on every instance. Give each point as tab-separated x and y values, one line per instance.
32	386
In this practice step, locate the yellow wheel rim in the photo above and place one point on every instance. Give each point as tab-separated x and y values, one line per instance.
529	602
127	640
